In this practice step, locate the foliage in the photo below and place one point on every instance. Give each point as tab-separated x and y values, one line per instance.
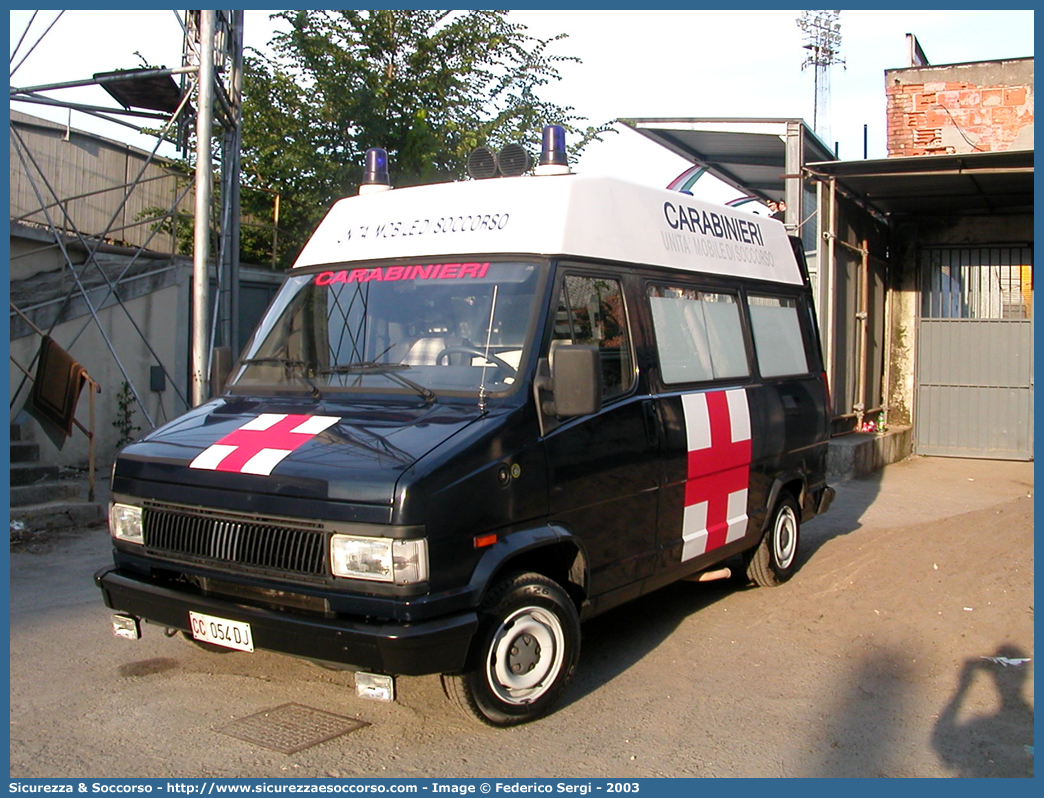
124	422
178	224
428	86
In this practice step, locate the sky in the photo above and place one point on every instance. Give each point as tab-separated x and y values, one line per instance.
671	63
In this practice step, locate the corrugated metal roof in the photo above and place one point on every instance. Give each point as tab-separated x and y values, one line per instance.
748	154
979	182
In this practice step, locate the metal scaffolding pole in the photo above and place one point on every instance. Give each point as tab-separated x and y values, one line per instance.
228	308
201	234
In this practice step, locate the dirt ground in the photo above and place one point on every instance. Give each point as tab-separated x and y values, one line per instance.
915	610
899	649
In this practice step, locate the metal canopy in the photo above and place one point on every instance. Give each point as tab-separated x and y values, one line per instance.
979	182
748	154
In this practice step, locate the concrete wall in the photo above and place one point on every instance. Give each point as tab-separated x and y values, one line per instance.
156	293
976	107
162	316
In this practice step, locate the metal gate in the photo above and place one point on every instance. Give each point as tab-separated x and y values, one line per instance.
975	352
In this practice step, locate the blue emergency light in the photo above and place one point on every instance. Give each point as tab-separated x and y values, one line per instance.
553	157
375	176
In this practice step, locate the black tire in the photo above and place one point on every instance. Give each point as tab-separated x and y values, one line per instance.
774	561
525	652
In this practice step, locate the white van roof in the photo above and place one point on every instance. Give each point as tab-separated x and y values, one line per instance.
563	215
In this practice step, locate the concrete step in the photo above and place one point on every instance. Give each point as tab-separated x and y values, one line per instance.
46	498
37	520
25	452
41	492
860	453
32	473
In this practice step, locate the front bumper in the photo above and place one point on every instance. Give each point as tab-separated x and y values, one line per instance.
406	649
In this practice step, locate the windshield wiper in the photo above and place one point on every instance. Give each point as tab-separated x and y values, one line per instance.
390	370
290	364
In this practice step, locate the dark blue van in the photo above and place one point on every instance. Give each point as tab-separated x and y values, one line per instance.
475	415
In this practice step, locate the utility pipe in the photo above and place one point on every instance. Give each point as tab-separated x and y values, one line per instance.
831	272
864	319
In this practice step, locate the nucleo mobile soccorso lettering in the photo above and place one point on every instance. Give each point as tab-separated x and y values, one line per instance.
475	415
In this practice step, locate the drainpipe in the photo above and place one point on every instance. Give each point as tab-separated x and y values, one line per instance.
886	379
864	320
829	271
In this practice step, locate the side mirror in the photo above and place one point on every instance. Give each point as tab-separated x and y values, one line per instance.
576	381
220	368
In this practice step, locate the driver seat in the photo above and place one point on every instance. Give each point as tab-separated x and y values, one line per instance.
423	351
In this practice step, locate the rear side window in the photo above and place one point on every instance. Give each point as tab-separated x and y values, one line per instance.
777	336
591	312
699	335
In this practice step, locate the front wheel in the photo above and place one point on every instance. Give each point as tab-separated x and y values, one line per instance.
527	645
773	561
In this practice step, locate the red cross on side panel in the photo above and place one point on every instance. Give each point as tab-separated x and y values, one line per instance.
262	443
717	426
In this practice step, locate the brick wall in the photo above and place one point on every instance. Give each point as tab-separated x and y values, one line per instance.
982	107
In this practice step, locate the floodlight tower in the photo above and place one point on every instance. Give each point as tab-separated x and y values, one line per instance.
823	41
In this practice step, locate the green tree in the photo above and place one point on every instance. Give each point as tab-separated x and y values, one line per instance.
428	86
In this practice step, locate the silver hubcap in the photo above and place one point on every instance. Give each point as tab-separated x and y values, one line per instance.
526	655
784	537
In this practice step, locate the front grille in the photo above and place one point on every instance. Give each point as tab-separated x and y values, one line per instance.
242	541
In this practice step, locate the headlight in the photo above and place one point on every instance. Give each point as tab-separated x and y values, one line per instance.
401	562
125	523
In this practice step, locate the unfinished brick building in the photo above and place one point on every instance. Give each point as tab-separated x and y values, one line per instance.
960	108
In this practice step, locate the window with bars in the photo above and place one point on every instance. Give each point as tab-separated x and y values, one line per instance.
986	283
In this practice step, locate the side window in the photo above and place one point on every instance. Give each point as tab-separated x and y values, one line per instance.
699	335
591	312
777	335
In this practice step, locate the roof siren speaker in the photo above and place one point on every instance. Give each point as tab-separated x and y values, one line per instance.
513	160
482	163
375	178
553	157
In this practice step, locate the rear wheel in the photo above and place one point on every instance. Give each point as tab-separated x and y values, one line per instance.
773	561
527	647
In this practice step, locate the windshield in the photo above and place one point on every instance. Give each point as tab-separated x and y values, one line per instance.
420	328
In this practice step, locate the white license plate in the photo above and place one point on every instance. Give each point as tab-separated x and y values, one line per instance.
221	631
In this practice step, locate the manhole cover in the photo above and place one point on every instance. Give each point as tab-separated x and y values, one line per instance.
290	728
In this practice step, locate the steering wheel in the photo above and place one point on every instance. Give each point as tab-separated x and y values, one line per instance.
500	363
